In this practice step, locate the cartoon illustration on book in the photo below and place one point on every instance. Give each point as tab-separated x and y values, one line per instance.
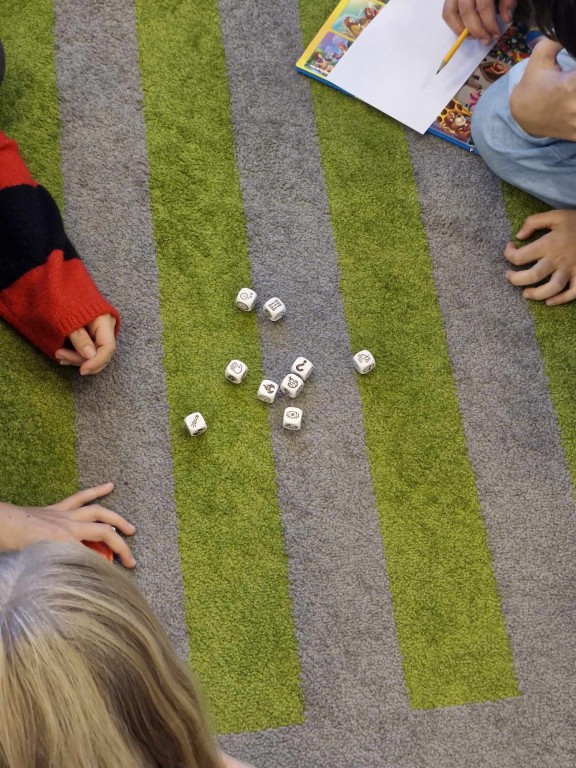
343	46
515	44
455	120
327	54
356	15
345	28
370	12
352	26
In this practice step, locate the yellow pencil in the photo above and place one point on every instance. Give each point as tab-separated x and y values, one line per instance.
453	50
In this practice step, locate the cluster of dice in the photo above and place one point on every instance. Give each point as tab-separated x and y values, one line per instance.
291	385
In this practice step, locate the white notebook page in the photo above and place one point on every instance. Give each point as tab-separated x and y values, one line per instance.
392	65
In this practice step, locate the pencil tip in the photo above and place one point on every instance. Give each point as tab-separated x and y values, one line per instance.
441	67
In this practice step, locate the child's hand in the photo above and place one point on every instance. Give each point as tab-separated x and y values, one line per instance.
554	254
68	520
94	346
478	16
544	101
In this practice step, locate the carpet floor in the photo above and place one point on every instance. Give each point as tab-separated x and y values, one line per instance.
394	585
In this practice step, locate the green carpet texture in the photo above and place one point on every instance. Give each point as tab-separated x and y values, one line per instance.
233	559
393	586
434	536
39	461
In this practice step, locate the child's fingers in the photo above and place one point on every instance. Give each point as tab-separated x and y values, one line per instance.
99	362
94	346
506	9
94	513
555	285
451	15
82	343
480	19
69	357
85	496
535	274
486	9
102	329
564	297
534	223
105	533
524	255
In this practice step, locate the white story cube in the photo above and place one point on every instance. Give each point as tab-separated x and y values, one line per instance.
364	361
292	418
236	371
302	367
292	385
267	391
274	309
195	423
246	299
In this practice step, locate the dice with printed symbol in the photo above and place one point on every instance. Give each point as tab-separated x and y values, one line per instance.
364	361
302	367
274	309
292	385
246	299
236	371
267	391
195	424
292	418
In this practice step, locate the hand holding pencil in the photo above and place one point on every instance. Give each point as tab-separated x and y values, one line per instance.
479	17
480	21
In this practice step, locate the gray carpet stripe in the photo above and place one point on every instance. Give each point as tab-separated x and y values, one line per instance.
339	588
511	429
286	209
122	412
506	734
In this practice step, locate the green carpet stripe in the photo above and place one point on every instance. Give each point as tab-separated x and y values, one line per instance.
36	408
555	331
446	603
235	572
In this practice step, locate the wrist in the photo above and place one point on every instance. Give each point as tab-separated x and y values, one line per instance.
8	513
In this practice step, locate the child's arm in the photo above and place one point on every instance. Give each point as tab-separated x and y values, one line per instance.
46	292
544	101
554	254
68	520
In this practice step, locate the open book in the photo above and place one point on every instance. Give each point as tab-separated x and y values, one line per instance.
387	54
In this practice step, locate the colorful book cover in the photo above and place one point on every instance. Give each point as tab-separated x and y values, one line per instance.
347	22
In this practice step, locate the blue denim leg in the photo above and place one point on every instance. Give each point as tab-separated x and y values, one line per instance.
544	167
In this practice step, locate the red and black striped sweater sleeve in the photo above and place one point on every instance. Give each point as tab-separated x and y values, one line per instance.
45	289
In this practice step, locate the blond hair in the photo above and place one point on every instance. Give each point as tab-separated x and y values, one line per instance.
88	678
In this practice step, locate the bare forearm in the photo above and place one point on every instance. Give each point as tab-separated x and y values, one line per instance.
8	522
